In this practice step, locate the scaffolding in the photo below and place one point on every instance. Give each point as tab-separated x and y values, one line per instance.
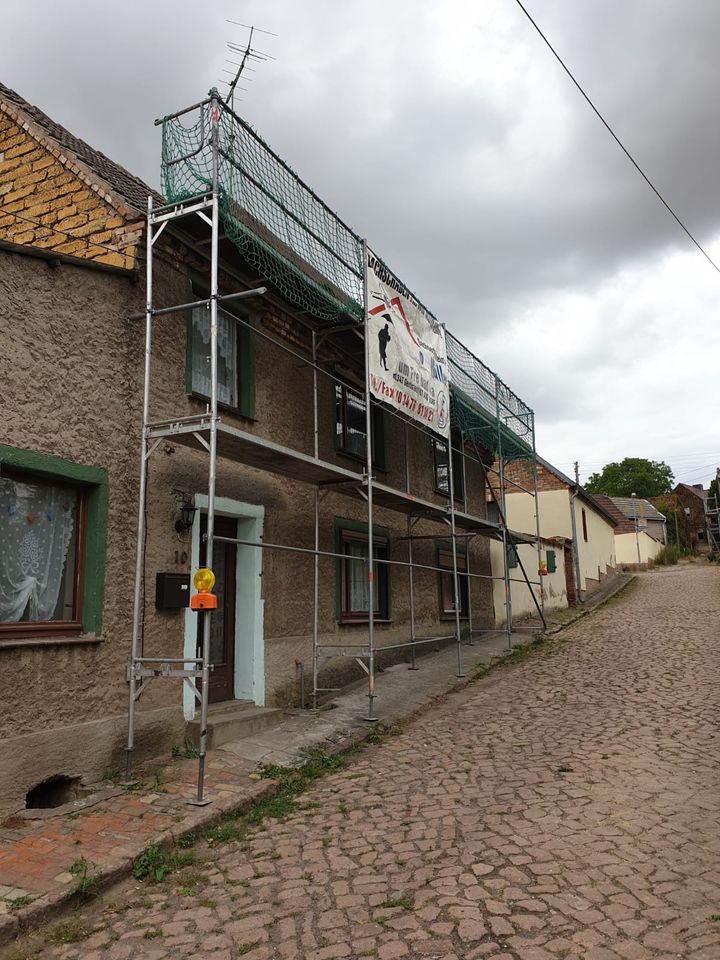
220	175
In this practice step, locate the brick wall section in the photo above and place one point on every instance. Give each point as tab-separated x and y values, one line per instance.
521	472
68	213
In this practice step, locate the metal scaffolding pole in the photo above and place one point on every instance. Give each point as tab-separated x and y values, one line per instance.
456	586
468	544
316	558
138	598
537	520
411	583
369	478
501	477
200	799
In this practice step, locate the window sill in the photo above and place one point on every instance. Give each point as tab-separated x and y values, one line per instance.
450	618
360	622
222	407
12	643
361	460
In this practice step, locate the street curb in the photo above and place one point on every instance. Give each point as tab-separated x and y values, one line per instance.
51	904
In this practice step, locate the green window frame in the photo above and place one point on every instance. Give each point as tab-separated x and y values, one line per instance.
551	561
348	535
244	384
351	439
512	556
92	483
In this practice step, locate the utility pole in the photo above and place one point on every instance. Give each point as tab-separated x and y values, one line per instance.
637	535
576	553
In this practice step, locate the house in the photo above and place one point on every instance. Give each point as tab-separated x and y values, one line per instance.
578	533
640	533
85	476
688	505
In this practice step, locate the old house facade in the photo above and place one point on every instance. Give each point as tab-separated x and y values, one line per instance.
294	439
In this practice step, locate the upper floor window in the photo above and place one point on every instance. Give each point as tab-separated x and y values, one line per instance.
235	357
351	425
442	466
42	532
227	355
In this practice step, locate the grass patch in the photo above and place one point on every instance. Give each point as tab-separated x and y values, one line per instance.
188	750
405	902
152	934
246	948
155	863
564	768
19	902
86	884
73	930
516	655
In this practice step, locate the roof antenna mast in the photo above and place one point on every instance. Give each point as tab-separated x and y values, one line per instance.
247	53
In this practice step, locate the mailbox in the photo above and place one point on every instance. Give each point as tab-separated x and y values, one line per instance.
172	591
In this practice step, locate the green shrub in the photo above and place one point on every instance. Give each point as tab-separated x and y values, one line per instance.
668	556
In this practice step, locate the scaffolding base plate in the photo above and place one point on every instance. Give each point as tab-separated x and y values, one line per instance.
370	719
199	803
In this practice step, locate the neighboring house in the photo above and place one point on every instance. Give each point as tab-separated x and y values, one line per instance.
689	503
71	225
581	528
640	533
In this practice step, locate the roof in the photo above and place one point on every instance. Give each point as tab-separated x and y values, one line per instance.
131	189
624	525
633	507
692	488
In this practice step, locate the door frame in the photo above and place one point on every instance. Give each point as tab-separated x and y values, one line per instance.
249	604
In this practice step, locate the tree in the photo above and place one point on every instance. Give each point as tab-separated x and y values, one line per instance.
645	478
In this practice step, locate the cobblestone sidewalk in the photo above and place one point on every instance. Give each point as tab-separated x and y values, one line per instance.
565	807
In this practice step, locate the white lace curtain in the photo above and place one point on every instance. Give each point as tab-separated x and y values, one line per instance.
36	527
227	355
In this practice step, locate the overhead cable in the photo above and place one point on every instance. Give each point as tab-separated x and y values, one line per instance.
619	142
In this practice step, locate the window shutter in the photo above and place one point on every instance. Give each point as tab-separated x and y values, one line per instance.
551	564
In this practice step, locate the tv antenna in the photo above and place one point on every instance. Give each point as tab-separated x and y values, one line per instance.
247	53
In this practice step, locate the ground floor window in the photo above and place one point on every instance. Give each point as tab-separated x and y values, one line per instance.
447	586
354	585
42	527
53	530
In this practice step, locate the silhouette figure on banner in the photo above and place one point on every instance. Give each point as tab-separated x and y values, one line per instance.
384	340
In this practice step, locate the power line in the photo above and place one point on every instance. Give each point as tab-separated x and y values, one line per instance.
619	142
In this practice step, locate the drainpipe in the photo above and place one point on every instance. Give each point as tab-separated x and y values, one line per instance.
576	551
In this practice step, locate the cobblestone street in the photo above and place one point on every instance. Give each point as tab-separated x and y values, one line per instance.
567	806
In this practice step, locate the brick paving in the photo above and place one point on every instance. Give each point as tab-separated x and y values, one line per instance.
564	807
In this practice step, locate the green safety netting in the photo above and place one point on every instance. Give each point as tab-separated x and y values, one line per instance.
484	408
279	225
312	258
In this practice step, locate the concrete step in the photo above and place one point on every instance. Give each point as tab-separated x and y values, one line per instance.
234	720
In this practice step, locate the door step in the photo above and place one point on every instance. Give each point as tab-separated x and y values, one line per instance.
234	720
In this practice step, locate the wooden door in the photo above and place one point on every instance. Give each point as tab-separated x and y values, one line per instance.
222	620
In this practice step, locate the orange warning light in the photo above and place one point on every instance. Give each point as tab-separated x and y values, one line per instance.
204	581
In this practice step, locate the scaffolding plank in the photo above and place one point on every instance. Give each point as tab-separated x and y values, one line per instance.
254	451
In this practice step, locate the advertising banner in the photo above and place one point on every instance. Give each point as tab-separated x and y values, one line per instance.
408	357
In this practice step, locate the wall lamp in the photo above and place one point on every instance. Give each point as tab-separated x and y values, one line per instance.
186	518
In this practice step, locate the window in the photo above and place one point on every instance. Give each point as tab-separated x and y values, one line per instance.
353	576
512	556
584	525
440	460
52	547
235	358
551	561
447	586
351	426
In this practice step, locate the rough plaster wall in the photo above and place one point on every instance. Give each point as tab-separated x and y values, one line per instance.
67	390
554	584
43	187
597	553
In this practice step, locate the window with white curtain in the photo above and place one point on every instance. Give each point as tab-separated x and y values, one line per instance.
41	530
227	355
355	591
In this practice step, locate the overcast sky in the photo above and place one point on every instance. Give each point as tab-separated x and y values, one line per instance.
446	133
